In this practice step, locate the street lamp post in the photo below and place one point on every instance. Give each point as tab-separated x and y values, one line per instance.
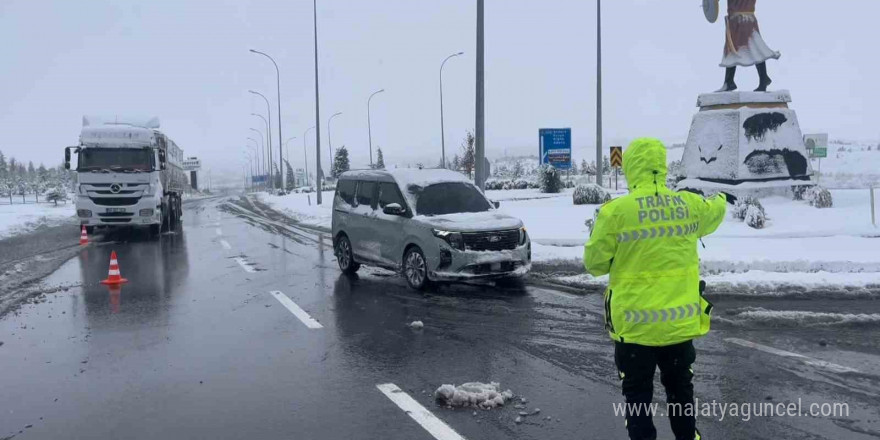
278	88
479	110
265	122
330	142
318	174
268	135
265	156
599	92
442	131
257	157
306	155
369	125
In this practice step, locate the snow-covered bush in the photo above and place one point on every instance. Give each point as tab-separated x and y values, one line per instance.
799	192
549	179
590	194
520	184
819	197
494	184
740	209
755	217
533	184
508	184
56	194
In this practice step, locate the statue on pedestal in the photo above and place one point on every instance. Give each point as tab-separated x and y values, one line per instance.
743	44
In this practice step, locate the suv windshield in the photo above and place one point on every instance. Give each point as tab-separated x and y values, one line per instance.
115	159
450	198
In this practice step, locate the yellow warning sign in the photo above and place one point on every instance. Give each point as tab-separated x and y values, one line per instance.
616	157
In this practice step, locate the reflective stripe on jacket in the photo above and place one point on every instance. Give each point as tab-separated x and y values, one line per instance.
647	242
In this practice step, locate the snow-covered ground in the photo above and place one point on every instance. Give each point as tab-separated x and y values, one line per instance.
22	218
801	245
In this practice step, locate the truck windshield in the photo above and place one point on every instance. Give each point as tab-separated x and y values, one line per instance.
115	159
450	198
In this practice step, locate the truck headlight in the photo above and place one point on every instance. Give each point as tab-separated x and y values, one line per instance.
146	212
454	239
523	236
83	213
149	190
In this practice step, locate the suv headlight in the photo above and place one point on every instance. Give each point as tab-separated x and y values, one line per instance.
523	236
454	239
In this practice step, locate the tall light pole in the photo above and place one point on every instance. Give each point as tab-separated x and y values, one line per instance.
369	124
265	123
287	152
278	85
306	155
330	142
480	121
269	133
318	174
265	156
257	156
442	131
599	92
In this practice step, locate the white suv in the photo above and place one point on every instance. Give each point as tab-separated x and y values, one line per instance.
431	225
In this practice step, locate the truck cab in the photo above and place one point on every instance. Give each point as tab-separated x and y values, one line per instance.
128	175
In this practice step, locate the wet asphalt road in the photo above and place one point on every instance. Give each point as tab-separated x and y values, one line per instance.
196	346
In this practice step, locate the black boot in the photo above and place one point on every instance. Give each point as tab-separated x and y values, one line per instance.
763	79
729	85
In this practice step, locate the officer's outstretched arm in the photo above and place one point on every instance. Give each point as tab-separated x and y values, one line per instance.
602	245
712	211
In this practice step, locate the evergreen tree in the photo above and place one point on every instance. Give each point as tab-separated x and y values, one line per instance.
42	173
467	152
584	169
291	178
574	168
13	168
456	163
518	170
380	160
340	162
31	171
3	169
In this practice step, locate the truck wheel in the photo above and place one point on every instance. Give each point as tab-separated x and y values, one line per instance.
154	230
90	230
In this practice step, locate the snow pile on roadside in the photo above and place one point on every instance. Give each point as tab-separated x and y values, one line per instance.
751	316
19	219
302	208
417	325
473	394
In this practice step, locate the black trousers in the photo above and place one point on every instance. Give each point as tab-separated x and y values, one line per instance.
636	365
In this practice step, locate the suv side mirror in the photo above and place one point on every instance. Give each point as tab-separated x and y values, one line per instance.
161	159
497	204
67	158
393	209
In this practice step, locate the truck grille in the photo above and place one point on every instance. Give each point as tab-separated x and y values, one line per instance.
115	220
491	240
115	201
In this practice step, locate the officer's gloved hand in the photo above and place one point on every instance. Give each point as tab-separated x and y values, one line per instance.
730	198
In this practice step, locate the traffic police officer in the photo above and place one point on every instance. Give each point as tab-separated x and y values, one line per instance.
654	305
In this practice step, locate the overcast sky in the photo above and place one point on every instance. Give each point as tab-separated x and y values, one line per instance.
188	63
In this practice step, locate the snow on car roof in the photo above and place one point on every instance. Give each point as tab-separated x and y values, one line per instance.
424	177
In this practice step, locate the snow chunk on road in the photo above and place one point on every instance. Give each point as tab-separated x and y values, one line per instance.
473	394
417	325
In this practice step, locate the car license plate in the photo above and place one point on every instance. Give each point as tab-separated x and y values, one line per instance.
112	210
496	267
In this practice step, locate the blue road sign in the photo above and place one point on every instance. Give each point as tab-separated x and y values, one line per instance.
262	178
554	147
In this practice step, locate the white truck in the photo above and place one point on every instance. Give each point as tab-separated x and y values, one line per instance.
128	175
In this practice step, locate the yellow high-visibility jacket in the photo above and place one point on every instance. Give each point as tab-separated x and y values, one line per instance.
647	242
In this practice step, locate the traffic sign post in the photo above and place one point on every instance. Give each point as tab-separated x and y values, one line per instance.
817	148
616	162
554	147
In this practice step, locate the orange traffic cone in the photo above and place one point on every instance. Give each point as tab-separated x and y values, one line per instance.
83	237
113	276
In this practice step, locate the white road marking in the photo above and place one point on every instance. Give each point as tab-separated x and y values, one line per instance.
296	310
225	244
244	265
435	426
805	359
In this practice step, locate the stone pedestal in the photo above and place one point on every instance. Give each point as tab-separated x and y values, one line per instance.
745	140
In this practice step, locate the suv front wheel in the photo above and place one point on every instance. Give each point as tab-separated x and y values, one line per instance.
344	256
415	268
